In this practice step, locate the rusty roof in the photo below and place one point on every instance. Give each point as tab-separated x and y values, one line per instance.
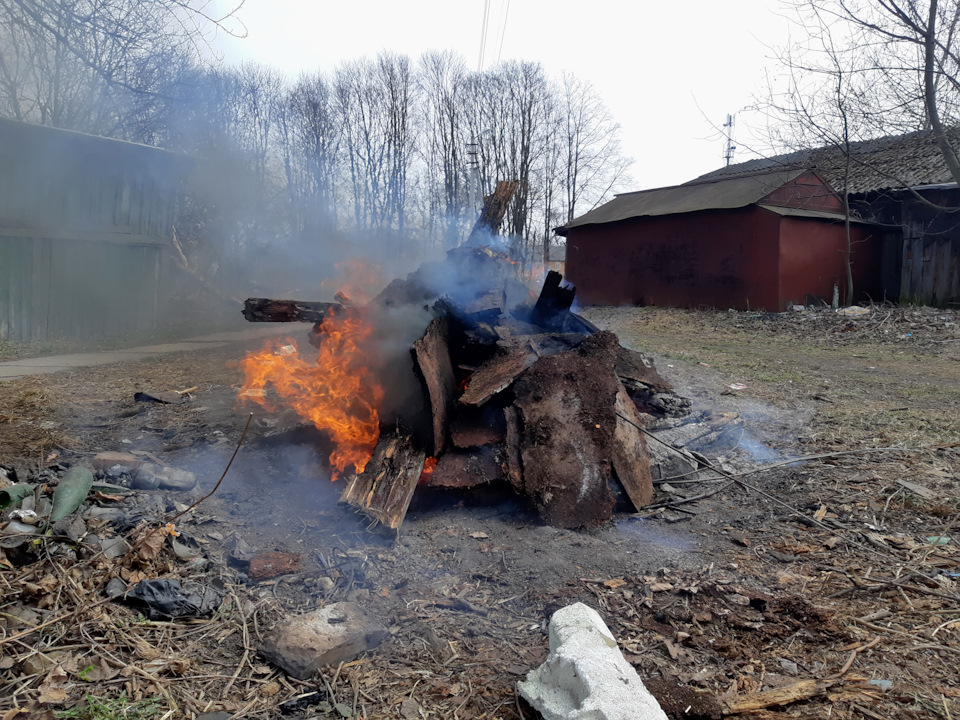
708	194
815	214
895	161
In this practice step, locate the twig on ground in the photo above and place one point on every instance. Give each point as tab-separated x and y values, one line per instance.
853	655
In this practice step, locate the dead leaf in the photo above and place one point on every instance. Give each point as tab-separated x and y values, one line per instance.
53	691
97	671
820	514
26	714
479	535
410	709
660	587
150	545
614	583
925	493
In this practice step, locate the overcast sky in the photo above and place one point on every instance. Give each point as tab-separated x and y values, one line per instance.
669	71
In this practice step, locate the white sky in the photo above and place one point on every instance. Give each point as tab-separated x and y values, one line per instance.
669	70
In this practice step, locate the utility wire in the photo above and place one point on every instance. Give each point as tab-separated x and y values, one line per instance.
503	31
483	34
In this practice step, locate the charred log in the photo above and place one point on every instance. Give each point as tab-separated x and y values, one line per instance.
491	217
269	310
457	469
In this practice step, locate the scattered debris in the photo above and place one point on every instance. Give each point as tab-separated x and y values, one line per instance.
586	675
162	599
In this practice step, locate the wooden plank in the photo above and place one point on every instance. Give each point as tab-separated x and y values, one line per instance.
496	375
6	292
41	288
565	404
431	353
631	461
461	470
385	487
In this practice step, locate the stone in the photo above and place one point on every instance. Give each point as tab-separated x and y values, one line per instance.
145	480
115	588
105	460
586	677
114	547
333	634
167	478
72	527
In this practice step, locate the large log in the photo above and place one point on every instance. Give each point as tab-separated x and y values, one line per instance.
491	217
385	487
270	310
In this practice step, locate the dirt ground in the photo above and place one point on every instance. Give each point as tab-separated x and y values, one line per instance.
825	577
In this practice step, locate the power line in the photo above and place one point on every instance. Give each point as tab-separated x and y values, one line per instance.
483	34
503	31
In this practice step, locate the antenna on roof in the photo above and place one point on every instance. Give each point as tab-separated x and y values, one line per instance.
729	148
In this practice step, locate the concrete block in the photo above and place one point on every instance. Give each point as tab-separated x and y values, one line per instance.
586	677
336	633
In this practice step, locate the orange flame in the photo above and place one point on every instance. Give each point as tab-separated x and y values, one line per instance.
429	465
359	279
338	393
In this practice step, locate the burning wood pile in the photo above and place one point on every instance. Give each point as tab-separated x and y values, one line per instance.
501	387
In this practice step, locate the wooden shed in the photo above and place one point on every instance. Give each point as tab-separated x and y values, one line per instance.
901	182
762	241
85	224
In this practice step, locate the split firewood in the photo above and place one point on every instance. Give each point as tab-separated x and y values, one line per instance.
631	462
385	487
432	355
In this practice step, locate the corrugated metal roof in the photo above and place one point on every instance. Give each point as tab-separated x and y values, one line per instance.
711	194
896	161
816	214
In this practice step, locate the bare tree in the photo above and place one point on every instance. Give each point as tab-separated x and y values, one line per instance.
908	62
442	83
72	63
591	157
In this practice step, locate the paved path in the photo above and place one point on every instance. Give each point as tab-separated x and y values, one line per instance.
13	369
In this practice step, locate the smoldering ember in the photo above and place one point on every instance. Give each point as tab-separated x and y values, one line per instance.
528	517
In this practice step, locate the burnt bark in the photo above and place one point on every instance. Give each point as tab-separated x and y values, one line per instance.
432	355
